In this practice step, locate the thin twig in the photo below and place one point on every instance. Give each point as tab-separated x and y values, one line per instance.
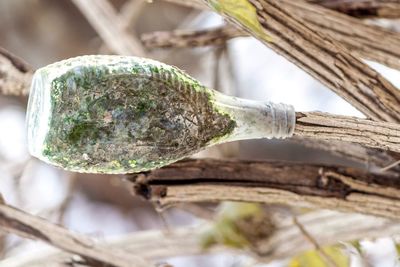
104	19
130	12
390	166
128	15
326	257
191	38
63	207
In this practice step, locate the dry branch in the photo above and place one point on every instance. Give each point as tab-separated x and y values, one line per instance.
296	184
364	8
15	74
105	20
369	133
327	61
190	38
357	8
25	225
362	39
328	227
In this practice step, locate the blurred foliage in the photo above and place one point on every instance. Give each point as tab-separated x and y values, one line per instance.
315	258
238	225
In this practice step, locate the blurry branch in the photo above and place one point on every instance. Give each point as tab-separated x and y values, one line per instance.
151	245
307	185
198	4
191	38
362	39
25	225
370	157
105	20
364	8
15	75
317	125
130	11
327	227
63	207
128	14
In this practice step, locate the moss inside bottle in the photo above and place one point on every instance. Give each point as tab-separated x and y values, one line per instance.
114	114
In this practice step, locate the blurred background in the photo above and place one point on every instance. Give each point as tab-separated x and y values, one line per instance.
45	31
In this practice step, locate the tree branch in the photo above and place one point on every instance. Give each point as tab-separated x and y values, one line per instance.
328	227
191	38
15	74
357	8
362	39
323	186
326	61
317	125
25	225
364	8
370	157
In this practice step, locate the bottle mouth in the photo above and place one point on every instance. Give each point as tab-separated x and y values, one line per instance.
38	113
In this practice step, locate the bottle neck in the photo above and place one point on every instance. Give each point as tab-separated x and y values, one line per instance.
257	119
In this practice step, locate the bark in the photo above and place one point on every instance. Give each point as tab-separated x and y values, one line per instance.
364	8
191	38
296	184
15	74
358	8
362	39
317	125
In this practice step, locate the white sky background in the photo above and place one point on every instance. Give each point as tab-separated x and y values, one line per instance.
260	74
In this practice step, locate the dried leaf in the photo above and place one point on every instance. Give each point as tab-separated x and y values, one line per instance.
244	12
313	258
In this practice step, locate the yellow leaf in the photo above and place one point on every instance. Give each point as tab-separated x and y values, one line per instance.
313	258
224	230
244	12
